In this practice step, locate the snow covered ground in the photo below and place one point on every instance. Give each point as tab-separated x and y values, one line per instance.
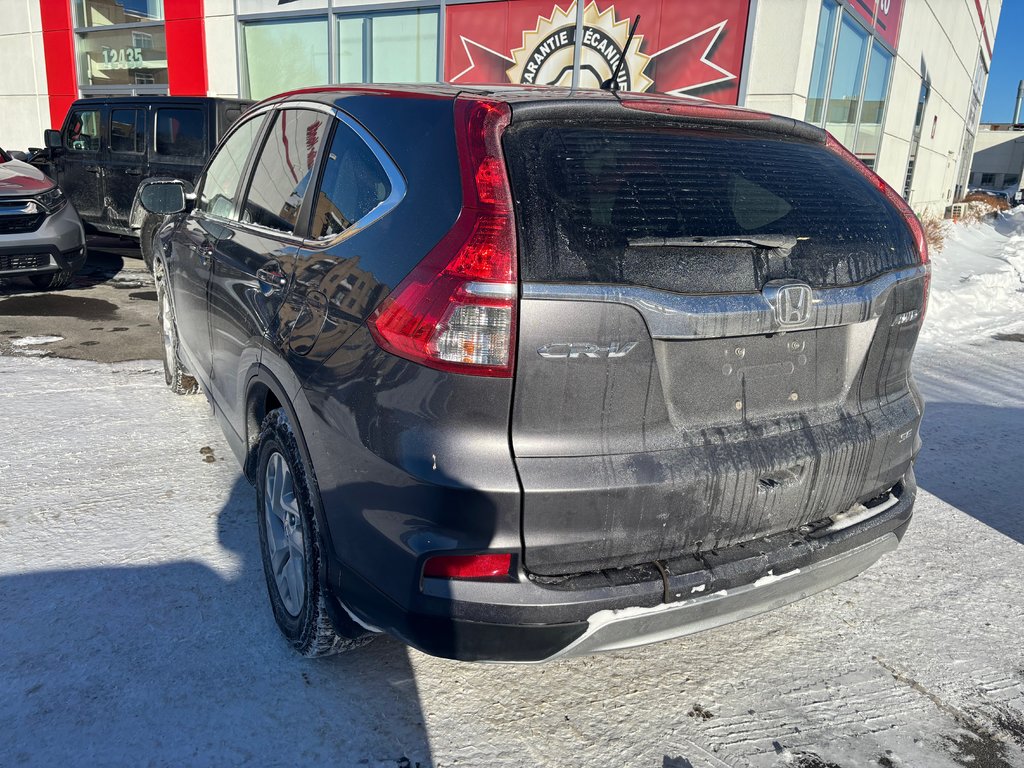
135	630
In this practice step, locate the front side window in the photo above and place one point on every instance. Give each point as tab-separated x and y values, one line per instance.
127	130
219	187
180	132
83	131
354	183
284	169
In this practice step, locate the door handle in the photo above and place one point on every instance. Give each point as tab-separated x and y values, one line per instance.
272	279
92	168
133	171
203	252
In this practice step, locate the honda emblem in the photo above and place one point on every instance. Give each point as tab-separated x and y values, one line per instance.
791	302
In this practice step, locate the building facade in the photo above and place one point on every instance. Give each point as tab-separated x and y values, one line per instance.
899	82
998	162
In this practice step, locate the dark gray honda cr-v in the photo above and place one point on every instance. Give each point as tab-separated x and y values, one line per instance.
521	373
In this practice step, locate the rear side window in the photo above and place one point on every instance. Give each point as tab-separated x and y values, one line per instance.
687	211
127	130
284	169
219	186
354	183
180	132
83	131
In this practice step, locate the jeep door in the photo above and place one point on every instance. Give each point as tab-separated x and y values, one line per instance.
251	268
197	237
126	164
79	165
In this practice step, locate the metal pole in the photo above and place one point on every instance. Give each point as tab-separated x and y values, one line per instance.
578	48
1020	97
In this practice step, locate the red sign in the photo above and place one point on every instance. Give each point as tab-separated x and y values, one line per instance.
883	16
681	46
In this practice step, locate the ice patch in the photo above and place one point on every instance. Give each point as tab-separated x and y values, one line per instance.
771	578
31	341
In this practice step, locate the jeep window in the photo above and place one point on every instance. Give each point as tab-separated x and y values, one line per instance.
83	131
127	130
219	186
180	132
284	169
354	183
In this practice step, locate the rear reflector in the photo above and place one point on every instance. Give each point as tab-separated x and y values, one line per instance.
456	311
468	566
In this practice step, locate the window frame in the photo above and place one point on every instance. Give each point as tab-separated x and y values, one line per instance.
842	12
395	178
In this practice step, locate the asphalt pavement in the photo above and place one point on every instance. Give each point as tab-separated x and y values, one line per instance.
108	314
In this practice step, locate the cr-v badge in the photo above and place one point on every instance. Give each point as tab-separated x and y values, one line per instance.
565	350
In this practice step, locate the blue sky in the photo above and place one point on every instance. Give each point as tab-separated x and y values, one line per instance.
1007	65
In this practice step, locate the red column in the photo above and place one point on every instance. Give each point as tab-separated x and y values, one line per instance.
59	54
186	47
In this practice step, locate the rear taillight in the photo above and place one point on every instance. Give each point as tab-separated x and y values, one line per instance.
469	566
456	311
913	223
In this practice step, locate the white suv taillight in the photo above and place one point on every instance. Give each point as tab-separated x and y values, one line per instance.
456	311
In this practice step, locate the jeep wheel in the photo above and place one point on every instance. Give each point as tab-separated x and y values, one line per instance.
178	379
291	546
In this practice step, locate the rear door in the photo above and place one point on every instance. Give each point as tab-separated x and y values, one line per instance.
126	164
179	141
714	342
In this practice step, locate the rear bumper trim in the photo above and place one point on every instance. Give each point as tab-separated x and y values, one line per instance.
611	630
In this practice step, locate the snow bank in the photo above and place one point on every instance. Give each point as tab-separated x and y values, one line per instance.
978	280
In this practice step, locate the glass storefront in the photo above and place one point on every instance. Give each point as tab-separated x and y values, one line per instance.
284	53
849	81
121	46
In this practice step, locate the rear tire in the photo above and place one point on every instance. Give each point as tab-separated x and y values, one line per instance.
176	376
291	546
52	281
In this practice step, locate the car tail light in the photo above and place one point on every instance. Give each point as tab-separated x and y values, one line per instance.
913	223
456	311
468	566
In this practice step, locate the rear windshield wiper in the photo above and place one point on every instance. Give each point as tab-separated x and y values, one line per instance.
784	242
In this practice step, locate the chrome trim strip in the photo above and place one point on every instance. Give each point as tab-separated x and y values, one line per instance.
28	207
677	316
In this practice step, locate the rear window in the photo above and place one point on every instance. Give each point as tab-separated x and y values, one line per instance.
686	211
180	133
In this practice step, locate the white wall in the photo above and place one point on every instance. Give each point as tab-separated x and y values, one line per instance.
24	104
221	52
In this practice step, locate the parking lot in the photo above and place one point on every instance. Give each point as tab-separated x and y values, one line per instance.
135	630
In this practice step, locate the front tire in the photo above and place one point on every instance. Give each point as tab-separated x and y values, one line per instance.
176	376
52	281
291	546
149	243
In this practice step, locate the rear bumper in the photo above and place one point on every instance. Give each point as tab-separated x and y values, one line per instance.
534	620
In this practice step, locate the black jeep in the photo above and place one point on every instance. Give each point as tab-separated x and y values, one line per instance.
108	145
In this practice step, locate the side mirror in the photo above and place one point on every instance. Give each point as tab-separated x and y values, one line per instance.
52	139
163	197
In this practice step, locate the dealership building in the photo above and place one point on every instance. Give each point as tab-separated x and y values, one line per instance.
899	82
